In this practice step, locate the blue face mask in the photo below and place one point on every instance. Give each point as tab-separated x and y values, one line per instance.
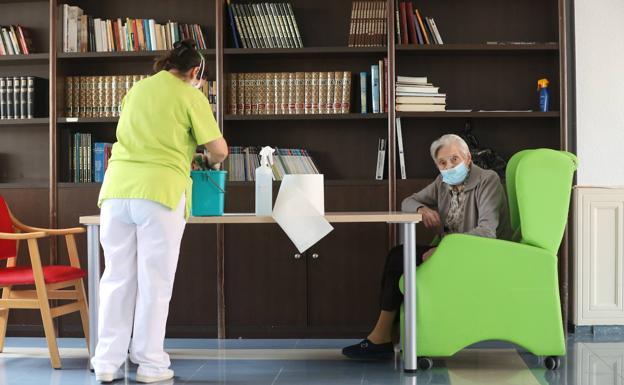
456	175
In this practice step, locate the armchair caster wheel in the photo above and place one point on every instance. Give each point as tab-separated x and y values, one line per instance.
552	362
425	363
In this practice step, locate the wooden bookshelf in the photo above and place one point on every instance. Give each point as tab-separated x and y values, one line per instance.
336	294
24	122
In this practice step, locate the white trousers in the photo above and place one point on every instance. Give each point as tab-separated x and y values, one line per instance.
141	242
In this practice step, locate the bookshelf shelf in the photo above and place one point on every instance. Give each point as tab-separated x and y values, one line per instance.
209	53
30	58
305	51
66	185
475	114
328	183
24	122
479	47
28	184
87	120
354	116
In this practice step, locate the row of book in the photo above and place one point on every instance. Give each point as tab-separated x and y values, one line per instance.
414	28
15	40
374	88
382	151
83	33
416	94
289	93
88	161
23	97
97	96
369	26
263	25
242	162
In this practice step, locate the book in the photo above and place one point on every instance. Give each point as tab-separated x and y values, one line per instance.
421	99
263	25
375	88
363	92
416	88
399	136
23	97
409	15
368	24
243	161
381	158
101	155
420	107
418	80
425	36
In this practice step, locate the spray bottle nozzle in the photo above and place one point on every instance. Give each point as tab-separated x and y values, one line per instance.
266	156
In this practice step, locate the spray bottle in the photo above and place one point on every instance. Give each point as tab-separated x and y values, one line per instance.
264	183
542	88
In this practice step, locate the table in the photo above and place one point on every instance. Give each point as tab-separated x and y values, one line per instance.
407	220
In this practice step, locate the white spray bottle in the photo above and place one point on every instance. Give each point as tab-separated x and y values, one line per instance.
264	183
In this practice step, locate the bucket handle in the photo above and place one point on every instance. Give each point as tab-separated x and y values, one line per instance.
204	176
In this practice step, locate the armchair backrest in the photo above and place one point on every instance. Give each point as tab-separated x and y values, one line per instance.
539	185
7	247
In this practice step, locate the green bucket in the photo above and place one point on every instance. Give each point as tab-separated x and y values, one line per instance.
208	193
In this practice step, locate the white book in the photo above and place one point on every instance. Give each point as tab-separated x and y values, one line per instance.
97	31
152	27
420	107
65	27
104	34
9	46
421	100
420	94
423	89
381	159
72	31
412	79
436	31
399	135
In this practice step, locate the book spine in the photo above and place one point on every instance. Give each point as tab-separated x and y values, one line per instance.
299	93
409	16
279	42
295	27
314	93
271	25
307	99
284	93
331	84
397	19
255	35
261	93
269	92
363	92
24	99
381	157
98	162
437	31
240	94
419	33
9	98
338	90
375	87
399	132
323	92
345	107
351	39
386	84
234	26
3	93
382	90
248	92
232	93
422	28
241	26
292	81
17	90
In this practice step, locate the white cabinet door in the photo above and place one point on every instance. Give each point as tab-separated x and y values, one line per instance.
599	256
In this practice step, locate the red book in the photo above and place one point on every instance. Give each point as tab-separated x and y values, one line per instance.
22	40
411	24
404	37
135	37
116	41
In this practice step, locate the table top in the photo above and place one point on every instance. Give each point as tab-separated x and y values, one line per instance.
332	217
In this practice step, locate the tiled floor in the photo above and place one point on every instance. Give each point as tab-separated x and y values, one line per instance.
590	361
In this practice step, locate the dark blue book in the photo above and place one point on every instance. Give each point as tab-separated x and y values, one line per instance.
232	25
418	31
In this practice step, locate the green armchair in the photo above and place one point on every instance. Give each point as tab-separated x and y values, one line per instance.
475	289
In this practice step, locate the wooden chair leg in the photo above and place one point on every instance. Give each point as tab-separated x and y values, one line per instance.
84	310
4	317
44	303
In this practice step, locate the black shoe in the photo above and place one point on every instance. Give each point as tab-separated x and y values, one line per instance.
366	350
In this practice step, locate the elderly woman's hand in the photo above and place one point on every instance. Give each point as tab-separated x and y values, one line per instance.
431	218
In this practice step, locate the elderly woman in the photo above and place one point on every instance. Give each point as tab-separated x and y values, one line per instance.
464	198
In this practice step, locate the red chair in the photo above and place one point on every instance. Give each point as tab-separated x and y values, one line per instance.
57	282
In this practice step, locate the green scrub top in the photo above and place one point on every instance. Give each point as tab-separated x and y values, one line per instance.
163	120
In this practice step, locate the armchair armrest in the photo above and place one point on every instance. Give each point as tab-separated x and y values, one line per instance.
72	230
23	236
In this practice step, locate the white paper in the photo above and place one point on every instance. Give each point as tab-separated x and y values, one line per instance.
311	185
298	211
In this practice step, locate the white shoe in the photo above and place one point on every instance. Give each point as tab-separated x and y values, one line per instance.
105	378
166	374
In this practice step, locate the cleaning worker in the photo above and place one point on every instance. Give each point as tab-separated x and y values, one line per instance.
145	201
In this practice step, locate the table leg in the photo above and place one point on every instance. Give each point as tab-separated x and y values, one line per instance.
93	267
410	359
